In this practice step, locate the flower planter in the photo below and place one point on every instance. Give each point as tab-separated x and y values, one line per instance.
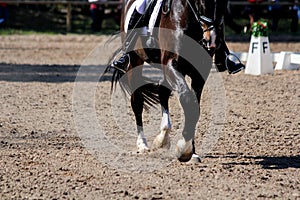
259	59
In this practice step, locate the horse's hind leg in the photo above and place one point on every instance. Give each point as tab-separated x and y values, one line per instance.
162	140
137	102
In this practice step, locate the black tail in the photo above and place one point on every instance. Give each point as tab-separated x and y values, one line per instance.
150	95
149	89
115	77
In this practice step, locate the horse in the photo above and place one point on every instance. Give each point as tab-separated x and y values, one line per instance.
181	37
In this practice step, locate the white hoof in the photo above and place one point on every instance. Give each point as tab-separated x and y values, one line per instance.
184	150
162	140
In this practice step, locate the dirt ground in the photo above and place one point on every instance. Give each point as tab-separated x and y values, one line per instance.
43	155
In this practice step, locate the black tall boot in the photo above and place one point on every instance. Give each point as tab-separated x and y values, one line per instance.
222	61
135	22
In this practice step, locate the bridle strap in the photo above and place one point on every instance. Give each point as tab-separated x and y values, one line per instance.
202	18
206	20
209	28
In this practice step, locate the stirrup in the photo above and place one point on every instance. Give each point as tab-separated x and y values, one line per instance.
239	63
116	59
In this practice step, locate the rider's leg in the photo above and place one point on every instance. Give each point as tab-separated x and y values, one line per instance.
141	6
135	22
221	61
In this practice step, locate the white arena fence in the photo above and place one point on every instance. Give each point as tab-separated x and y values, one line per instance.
283	60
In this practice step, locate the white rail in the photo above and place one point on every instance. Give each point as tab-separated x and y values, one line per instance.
283	60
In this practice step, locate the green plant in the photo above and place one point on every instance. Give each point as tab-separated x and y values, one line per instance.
260	28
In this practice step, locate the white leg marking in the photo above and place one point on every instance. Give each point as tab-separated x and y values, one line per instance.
141	143
184	150
165	121
162	140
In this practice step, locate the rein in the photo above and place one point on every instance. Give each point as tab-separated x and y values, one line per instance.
194	12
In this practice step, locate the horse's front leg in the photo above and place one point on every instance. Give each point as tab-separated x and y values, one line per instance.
162	140
188	100
197	86
185	148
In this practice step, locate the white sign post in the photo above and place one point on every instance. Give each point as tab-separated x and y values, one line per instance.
259	59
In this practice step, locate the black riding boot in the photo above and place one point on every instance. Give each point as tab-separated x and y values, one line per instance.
135	22
222	61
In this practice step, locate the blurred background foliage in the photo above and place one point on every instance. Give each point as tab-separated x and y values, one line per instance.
51	19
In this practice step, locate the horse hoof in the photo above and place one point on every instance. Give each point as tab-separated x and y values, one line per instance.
185	158
141	144
162	140
195	159
143	149
184	150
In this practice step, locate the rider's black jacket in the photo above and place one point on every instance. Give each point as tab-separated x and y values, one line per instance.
214	9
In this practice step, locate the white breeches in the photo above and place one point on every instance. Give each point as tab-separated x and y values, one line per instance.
141	6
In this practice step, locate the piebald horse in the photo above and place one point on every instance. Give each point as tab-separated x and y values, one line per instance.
180	37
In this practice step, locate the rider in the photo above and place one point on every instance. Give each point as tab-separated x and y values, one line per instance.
135	21
218	6
222	52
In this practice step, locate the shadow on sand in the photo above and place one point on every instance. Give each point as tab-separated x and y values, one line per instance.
267	162
49	73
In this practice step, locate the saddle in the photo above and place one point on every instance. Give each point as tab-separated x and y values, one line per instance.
149	35
149	27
